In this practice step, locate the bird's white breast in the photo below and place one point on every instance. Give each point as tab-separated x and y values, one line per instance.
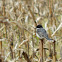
39	36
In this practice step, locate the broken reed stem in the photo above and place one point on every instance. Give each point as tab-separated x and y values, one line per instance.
32	15
33	47
6	31
41	50
28	47
11	47
26	56
3	7
19	54
0	60
45	54
0	26
54	52
0	46
23	42
50	23
20	58
28	44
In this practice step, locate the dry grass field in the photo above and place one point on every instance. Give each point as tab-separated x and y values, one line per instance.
18	40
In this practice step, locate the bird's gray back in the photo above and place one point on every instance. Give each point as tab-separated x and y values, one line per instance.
42	32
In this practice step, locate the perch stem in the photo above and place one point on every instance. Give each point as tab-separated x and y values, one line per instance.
54	53
41	50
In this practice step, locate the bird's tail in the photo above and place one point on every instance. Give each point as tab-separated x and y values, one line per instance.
49	39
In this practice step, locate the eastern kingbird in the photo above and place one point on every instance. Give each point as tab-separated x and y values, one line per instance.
41	32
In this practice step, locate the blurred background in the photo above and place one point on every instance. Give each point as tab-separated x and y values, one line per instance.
18	40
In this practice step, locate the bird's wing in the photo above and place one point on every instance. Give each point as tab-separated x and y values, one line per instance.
42	32
45	34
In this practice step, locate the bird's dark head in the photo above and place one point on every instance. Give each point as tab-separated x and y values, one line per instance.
39	26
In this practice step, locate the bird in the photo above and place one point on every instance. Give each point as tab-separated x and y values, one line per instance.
41	32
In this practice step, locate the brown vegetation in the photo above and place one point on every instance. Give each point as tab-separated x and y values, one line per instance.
18	40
